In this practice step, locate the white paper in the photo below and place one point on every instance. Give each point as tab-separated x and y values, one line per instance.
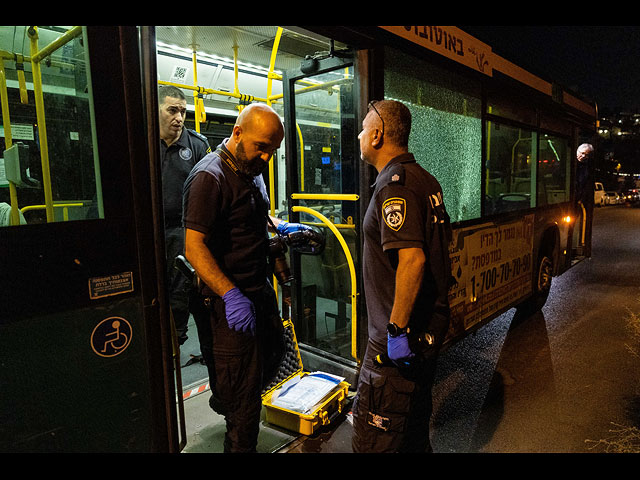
302	394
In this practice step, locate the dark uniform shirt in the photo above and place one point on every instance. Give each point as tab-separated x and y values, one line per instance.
177	161
584	182
406	211
231	210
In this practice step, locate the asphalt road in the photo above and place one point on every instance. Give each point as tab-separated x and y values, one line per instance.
561	380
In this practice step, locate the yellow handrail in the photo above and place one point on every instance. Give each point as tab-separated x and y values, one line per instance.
14	218
209	90
352	270
325	196
65	206
44	52
196	93
42	128
272	64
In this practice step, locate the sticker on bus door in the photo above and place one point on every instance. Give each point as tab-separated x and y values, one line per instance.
111	336
492	267
100	287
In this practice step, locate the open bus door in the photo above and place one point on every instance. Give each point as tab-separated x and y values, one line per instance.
321	101
84	342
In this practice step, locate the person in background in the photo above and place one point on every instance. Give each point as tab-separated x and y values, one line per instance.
180	149
584	191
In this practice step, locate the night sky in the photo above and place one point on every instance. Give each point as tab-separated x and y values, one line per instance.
601	63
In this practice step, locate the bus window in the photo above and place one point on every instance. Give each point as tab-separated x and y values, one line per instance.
553	170
49	168
446	134
510	157
501	104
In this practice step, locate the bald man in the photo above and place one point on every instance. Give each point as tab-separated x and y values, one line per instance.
225	211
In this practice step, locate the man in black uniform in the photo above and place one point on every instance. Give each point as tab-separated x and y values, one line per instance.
180	150
406	276
226	219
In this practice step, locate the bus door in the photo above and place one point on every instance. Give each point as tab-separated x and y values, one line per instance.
82	340
323	167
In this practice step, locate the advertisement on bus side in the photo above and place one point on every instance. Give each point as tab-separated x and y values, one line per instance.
491	264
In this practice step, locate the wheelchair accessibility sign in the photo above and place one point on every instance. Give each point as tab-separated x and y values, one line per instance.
111	337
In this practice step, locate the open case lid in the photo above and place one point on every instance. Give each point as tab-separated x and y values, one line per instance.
291	363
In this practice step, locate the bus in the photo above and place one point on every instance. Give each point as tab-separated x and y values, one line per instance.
90	361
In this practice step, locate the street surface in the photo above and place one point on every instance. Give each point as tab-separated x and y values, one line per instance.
559	381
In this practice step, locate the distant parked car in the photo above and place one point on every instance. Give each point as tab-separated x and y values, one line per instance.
598	194
611	198
631	196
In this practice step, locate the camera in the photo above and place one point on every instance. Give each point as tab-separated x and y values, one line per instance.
278	260
308	242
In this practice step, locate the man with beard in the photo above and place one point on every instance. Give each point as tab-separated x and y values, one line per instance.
225	214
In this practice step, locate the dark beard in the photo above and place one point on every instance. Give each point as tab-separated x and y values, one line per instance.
250	167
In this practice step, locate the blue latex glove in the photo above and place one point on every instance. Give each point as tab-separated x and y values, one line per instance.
241	314
285	228
398	350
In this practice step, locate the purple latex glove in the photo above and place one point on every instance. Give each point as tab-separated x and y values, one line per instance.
241	314
398	350
285	228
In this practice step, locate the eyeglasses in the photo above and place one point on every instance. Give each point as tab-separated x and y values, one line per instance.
372	105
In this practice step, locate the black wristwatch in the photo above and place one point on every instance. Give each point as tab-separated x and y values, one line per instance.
394	330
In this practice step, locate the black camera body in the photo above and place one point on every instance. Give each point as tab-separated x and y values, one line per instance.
278	260
308	242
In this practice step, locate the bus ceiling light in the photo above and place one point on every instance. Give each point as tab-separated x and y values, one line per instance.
567	219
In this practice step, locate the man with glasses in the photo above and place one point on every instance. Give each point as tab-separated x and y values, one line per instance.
407	272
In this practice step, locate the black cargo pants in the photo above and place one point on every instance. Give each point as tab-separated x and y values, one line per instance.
243	365
392	408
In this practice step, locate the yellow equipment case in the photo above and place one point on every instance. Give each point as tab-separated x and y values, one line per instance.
291	369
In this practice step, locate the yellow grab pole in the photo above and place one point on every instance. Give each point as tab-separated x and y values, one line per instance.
196	103
301	156
39	55
326	196
8	141
209	90
42	130
352	270
22	83
272	63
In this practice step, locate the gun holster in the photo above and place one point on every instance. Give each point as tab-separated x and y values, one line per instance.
183	265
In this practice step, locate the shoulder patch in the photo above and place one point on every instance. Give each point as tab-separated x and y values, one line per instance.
394	211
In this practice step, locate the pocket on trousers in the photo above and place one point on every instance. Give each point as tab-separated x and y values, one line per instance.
384	402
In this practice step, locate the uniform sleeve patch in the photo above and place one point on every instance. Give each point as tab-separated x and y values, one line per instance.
394	211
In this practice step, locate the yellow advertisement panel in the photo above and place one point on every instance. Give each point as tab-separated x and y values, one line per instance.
492	266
